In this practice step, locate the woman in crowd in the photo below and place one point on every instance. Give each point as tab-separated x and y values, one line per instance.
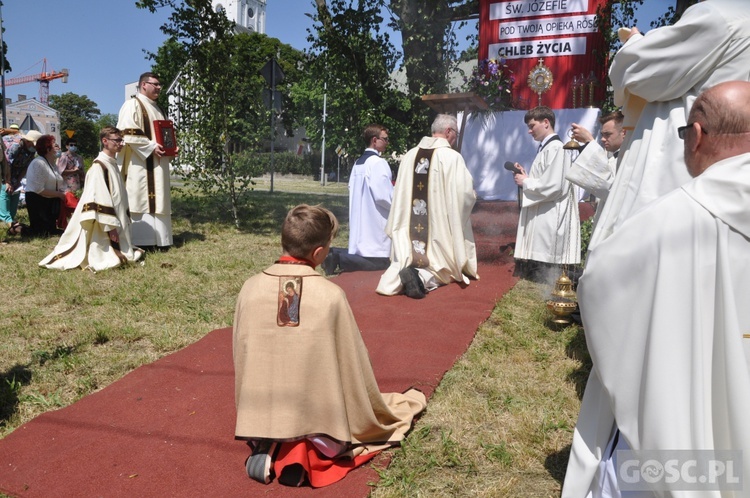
70	166
44	189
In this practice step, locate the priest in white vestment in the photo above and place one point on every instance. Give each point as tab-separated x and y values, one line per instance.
145	167
668	68
98	234
664	307
429	224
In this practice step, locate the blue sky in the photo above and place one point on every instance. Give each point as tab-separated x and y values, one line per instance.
101	42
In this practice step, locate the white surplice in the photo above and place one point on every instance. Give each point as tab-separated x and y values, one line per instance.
370	196
594	171
549	224
149	229
664	312
669	67
451	249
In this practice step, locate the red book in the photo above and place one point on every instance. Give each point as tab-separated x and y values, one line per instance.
164	130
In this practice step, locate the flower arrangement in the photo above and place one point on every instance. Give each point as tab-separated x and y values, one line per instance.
492	80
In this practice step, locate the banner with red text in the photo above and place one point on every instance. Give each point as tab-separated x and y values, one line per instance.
561	33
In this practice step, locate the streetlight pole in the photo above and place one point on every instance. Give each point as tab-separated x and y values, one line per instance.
323	146
2	64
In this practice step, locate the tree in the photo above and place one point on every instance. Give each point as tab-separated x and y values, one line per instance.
351	63
78	113
105	120
219	102
169	60
349	34
6	68
4	53
359	52
428	39
673	14
616	13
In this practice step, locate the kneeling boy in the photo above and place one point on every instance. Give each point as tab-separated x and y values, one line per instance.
306	396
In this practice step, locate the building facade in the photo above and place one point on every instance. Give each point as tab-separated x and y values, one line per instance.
30	114
248	15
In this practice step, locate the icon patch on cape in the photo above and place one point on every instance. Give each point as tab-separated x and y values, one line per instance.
290	297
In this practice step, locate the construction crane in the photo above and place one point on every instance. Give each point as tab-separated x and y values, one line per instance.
43	78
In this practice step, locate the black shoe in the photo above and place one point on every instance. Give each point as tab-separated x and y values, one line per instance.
413	286
293	475
330	263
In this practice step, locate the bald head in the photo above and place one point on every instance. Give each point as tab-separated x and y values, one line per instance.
719	126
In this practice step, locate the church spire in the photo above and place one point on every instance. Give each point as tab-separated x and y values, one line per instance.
248	15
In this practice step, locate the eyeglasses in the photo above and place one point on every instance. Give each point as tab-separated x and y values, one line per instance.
682	129
115	140
157	85
384	139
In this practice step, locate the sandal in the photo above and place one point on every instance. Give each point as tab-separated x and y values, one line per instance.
15	228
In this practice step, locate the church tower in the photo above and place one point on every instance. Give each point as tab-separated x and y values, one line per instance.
248	15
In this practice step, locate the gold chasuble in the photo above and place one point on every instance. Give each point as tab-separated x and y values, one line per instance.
430	219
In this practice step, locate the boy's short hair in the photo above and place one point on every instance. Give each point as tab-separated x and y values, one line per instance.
372	131
109	130
306	228
615	116
540	113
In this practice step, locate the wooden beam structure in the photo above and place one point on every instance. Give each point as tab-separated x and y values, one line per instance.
453	103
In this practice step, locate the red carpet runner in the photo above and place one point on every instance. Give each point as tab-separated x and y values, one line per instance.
166	429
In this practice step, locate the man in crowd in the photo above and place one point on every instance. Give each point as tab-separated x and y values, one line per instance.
665	314
144	166
98	235
595	167
19	156
548	227
666	70
370	195
429	224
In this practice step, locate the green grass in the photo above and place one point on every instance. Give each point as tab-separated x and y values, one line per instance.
66	334
499	424
501	421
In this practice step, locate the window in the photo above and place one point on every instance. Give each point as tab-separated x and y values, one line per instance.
250	13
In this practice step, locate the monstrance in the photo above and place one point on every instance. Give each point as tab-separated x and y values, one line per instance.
540	79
